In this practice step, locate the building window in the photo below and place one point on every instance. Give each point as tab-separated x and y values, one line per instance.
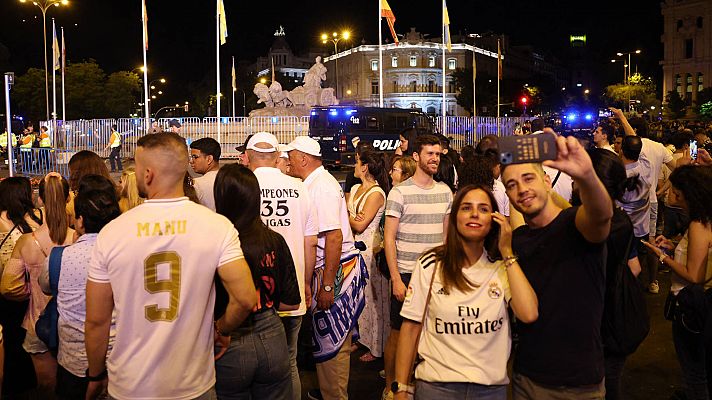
431	86
394	62
700	86
679	24
678	84
374	65
699	22
413	61
689	46
374	87
431	61
451	87
688	81
395	86
451	63
413	86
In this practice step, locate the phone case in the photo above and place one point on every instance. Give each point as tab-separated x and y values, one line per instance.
527	149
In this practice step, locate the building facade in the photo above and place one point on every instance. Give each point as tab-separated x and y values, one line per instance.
293	66
687	41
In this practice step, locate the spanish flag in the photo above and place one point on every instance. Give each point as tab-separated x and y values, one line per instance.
55	50
446	28
223	22
144	19
387	13
499	60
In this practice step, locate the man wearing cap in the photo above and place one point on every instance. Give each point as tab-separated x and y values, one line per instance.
155	128
241	159
205	160
174	125
283	160
339	273
289	211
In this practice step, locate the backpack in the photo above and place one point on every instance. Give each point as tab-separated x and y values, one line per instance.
46	325
625	319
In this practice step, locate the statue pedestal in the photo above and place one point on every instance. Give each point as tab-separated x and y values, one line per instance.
296	111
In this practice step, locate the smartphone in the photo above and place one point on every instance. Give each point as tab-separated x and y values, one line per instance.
527	149
693	149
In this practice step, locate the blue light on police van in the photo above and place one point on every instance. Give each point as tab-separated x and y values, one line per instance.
588	117
333	113
349	112
313	113
572	117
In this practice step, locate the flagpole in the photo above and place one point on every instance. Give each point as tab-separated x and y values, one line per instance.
444	111
499	78
474	90
380	55
144	28
217	62
64	65
233	86
54	76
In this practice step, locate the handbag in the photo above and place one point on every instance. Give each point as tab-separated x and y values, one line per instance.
692	308
46	325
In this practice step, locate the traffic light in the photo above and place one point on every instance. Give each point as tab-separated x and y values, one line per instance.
524	100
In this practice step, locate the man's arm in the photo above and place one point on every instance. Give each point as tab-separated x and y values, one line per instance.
100	305
237	279
629	131
309	262
332	259
389	244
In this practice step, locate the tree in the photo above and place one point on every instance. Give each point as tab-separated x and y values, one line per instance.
120	91
639	89
675	107
85	90
706	111
29	94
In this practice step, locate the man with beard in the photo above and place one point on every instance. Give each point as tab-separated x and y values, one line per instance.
563	253
156	266
416	220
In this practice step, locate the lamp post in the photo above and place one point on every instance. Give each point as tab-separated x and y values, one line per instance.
335	38
625	71
628	74
151	87
44	5
243	100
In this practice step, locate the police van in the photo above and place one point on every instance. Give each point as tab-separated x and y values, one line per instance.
338	128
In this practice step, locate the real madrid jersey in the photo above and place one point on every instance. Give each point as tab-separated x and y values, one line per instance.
160	259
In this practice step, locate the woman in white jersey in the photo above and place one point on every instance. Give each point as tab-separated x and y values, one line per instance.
366	205
464	287
691	264
27	259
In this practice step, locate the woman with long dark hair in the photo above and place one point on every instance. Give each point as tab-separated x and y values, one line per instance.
366	205
18	215
27	259
461	291
256	365
84	163
691	264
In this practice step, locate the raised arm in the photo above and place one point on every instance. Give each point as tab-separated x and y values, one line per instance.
618	113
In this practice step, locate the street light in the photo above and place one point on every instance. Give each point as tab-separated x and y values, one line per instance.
243	99
44	5
335	38
151	86
628	74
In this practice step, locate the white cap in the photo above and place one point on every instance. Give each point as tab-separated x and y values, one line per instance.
305	144
284	150
262	137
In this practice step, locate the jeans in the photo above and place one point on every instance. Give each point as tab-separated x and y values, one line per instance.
653	219
256	365
648	262
614	371
524	388
209	395
115	158
695	362
459	391
291	329
70	386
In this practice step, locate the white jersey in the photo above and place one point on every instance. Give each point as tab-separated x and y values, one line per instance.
160	259
331	212
287	209
204	189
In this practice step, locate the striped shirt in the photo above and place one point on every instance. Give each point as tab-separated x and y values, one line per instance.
421	213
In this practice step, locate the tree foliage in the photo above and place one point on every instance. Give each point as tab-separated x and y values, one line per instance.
639	89
675	107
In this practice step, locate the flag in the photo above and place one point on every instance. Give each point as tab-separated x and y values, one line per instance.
387	13
499	61
234	83
64	52
55	50
474	66
446	28
144	18
272	69
223	22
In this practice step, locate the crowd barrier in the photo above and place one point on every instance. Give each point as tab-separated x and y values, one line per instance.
70	137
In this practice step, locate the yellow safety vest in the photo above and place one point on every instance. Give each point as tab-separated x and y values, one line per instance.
45	140
27	141
3	140
115	139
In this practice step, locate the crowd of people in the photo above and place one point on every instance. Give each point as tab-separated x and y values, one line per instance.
173	286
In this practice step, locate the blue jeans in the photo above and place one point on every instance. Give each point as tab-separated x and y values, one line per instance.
695	362
459	391
256	365
291	329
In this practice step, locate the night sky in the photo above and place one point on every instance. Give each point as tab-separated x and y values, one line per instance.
182	33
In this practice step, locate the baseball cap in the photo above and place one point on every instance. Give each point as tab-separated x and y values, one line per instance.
262	137
174	122
305	144
241	148
284	150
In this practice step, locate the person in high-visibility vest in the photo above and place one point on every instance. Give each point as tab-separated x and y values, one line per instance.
115	145
45	146
45	140
3	140
26	148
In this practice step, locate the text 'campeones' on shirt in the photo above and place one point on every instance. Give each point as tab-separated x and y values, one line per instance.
563	347
467	335
160	259
421	213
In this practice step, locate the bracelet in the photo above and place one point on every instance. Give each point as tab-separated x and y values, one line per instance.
96	378
509	261
663	256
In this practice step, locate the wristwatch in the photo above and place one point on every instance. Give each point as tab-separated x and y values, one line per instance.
96	378
328	288
397	387
663	256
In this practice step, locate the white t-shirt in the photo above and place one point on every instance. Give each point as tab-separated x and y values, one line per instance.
563	186
331	212
652	157
500	194
160	259
467	336
288	210
204	189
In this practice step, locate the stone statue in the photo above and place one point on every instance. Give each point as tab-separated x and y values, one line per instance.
263	95
316	74
280	97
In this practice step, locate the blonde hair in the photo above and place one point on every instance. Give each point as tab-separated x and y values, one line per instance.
54	191
129	190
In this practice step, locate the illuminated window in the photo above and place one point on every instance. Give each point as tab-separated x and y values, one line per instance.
374	65
451	63
374	87
688	80
413	86
395	86
678	84
394	62
700	80
413	61
431	61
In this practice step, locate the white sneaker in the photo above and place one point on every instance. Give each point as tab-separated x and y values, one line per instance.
654	288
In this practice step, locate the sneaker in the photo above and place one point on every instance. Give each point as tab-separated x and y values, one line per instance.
654	288
314	394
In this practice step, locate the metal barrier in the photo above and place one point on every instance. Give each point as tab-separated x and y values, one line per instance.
460	129
40	161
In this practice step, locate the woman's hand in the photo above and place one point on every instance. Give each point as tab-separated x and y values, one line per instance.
665	243
505	234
